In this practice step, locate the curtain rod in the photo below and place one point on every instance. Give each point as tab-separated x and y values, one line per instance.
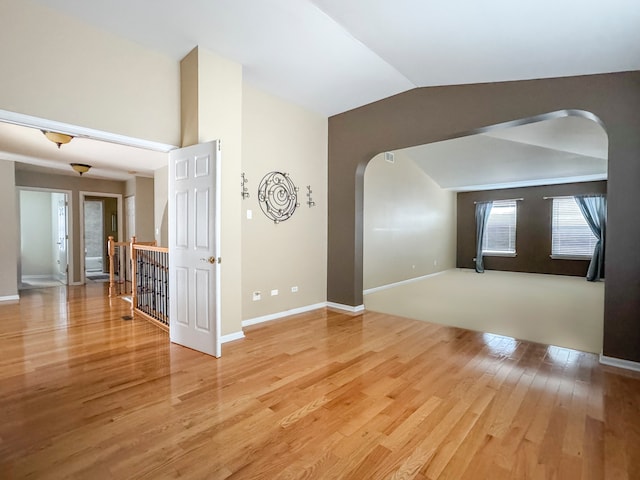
579	195
505	200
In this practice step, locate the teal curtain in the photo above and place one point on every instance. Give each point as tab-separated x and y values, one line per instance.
483	209
594	210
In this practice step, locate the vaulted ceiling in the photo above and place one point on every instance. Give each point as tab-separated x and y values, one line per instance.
334	55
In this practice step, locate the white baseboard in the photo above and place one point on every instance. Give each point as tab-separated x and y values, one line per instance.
346	308
9	298
231	337
403	282
286	313
620	363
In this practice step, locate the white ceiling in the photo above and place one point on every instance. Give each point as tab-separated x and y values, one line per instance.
28	146
334	55
560	150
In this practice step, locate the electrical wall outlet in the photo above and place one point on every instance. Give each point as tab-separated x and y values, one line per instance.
256	296
274	292
294	289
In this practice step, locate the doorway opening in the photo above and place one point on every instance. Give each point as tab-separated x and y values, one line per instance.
101	218
44	237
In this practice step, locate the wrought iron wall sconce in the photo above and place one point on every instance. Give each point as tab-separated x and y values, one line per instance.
278	197
244	191
310	201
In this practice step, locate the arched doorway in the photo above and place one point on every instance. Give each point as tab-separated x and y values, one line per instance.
410	220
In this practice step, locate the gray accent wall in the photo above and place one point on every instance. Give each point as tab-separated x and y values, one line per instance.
533	229
426	115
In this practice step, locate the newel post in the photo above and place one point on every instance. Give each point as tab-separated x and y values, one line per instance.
112	250
134	267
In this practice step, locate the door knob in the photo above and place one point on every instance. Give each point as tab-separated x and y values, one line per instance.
210	259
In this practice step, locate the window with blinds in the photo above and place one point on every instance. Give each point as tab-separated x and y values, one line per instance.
500	236
571	236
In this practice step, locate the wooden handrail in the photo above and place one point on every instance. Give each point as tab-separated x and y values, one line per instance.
111	247
150	248
144	300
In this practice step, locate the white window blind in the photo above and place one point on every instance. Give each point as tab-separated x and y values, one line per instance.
500	236
570	233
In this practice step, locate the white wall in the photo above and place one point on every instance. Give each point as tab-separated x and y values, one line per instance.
58	232
35	233
58	68
409	223
279	136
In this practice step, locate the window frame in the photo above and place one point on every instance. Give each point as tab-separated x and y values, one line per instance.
568	256
502	253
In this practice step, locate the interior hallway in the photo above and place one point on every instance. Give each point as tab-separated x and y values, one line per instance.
549	309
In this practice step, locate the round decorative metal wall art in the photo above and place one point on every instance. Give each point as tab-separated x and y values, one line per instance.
278	197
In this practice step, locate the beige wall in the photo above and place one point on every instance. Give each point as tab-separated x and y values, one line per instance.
9	247
409	223
212	110
44	178
160	206
142	189
64	70
279	136
144	209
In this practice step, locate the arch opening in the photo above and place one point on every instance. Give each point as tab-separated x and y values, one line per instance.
413	220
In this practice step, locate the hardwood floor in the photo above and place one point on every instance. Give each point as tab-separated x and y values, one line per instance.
88	395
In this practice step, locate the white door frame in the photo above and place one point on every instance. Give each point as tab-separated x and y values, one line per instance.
83	194
69	195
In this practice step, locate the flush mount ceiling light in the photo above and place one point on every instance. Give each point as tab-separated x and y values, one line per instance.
80	167
57	138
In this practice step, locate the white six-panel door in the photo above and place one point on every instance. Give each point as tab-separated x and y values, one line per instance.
194	271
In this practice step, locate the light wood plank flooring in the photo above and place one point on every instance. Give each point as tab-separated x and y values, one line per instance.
323	395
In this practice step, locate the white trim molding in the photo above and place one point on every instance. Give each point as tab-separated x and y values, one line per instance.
346	308
77	131
286	313
620	363
402	282
231	337
9	298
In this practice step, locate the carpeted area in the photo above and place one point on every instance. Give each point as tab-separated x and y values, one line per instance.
550	309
